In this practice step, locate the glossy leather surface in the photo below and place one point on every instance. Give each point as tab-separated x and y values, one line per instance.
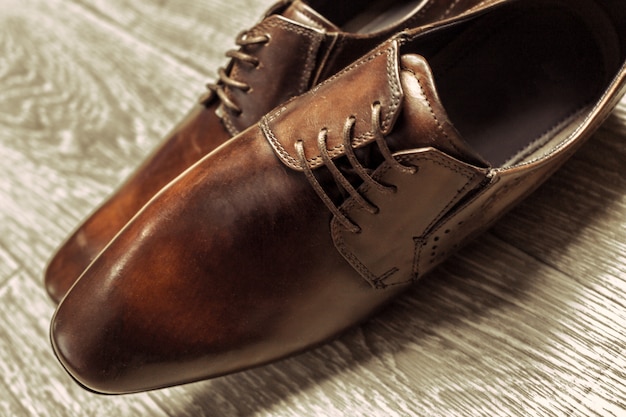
239	261
323	49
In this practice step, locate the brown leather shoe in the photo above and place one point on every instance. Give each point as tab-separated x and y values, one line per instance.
262	74
305	224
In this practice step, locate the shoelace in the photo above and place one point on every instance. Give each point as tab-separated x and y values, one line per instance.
224	80
364	173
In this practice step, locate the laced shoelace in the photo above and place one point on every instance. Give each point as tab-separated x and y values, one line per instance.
364	173
224	79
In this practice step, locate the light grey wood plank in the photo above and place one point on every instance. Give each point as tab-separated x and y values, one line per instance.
191	31
617	121
9	404
8	264
607	397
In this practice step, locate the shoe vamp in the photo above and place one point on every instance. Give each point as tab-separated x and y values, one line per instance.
230	266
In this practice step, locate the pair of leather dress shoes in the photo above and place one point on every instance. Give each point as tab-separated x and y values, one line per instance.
234	246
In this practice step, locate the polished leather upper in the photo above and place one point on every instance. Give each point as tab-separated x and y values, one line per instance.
275	74
244	258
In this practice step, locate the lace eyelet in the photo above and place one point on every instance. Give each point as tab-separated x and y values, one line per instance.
244	39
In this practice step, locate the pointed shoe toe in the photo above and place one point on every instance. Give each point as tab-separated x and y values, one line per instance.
181	148
309	222
173	299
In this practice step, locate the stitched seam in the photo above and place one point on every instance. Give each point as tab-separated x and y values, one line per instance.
467	204
436	159
379	282
314	42
340	243
546	136
273	115
430	108
354	65
350	257
329	42
444	224
452	202
232	130
394	87
308	66
337	150
420	243
282	24
363	138
449	9
576	134
349	205
395	94
439	160
269	135
439	216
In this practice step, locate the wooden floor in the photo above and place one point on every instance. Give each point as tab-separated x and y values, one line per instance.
529	320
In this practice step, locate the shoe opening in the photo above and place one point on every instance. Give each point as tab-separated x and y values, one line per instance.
516	80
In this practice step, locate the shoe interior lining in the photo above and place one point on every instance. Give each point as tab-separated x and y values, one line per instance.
372	15
381	15
511	84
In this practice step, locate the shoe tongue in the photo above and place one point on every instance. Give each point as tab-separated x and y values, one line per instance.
424	121
302	13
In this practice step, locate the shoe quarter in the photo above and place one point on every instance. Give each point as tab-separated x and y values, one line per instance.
504	190
387	249
287	64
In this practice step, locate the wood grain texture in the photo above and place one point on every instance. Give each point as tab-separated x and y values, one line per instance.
528	320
